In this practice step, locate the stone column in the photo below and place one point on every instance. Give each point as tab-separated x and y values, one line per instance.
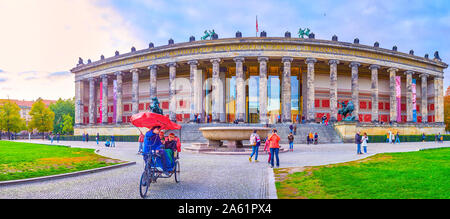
78	102
153	82
310	90
135	91
355	89
104	99
119	105
409	105
192	100
215	96
222	94
333	89
393	99
172	91
424	93
438	99
240	89
263	89
92	102
286	90
374	88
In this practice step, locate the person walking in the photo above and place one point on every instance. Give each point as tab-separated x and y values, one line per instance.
358	142
364	140
113	142
423	137
51	138
141	142
291	128
255	142
97	138
57	137
316	138
311	138
291	142
397	138
388	135
295	129
199	120
297	120
84	137
274	148
87	137
307	139
391	137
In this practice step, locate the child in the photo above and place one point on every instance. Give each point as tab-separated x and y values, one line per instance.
291	142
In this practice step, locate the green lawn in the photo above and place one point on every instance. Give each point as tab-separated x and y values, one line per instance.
412	175
24	160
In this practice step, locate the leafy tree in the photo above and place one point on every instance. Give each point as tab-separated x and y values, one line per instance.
447	109
67	124
61	108
10	120
41	117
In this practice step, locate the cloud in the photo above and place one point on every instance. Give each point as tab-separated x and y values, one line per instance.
49	35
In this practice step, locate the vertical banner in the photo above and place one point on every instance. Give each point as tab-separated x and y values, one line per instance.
398	89
414	105
115	100
100	102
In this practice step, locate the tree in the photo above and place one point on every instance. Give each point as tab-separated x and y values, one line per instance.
447	109
61	108
41	117
67	126
10	120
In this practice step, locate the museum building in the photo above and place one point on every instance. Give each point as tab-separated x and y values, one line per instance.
261	80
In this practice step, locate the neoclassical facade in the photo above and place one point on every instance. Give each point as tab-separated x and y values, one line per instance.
260	80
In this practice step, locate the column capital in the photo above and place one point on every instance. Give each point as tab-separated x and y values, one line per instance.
105	76
287	59
371	67
333	62
424	75
310	60
171	64
94	79
239	59
263	59
192	62
438	77
215	60
134	70
150	67
392	69
117	73
354	64
408	72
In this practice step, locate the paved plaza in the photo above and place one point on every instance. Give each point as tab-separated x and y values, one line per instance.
202	176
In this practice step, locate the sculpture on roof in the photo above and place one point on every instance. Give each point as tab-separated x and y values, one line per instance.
303	32
209	34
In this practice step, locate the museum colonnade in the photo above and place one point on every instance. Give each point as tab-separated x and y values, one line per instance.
240	92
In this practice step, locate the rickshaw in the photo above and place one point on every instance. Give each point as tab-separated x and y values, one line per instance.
153	171
152	166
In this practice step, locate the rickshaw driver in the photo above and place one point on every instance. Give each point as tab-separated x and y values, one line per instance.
152	141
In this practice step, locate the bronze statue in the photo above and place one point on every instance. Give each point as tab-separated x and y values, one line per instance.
346	111
154	108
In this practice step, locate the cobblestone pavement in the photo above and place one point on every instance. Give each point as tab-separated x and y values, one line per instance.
202	176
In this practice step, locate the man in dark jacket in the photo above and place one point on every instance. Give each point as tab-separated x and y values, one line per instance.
358	142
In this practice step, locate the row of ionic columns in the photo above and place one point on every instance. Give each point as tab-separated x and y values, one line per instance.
218	114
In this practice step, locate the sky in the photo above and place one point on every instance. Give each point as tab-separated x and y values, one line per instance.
41	40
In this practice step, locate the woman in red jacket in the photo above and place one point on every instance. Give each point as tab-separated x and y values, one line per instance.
274	147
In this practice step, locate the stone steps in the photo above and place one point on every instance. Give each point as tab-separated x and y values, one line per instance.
191	133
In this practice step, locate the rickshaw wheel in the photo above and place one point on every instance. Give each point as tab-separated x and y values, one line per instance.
146	180
177	171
